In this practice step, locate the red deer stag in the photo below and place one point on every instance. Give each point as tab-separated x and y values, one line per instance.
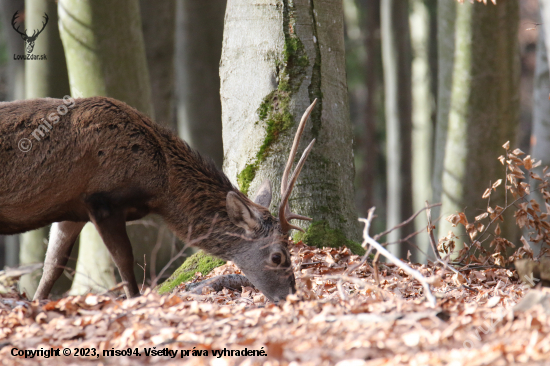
105	162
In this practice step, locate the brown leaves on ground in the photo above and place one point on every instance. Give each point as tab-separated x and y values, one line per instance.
338	316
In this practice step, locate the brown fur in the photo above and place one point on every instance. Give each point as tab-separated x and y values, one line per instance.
104	161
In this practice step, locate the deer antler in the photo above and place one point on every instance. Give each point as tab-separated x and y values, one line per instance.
13	20
34	34
286	187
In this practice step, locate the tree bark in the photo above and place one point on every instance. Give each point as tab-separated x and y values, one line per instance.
200	23
423	106
105	56
43	78
15	91
540	138
483	106
277	57
159	29
397	86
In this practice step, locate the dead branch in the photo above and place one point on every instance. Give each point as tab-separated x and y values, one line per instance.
415	274
431	232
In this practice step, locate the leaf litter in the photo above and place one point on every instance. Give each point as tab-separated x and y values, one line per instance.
338	316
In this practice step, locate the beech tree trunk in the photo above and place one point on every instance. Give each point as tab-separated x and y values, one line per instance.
478	104
277	57
200	23
540	139
423	107
105	56
159	30
15	91
397	87
43	78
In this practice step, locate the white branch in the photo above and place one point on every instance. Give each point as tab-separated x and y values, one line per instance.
415	274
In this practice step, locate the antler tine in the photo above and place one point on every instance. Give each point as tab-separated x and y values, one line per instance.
292	155
284	214
13	20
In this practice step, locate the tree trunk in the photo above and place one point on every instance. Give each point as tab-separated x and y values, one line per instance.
481	112
159	29
15	75
397	86
43	78
277	57
540	138
422	110
369	144
105	56
200	23
16	46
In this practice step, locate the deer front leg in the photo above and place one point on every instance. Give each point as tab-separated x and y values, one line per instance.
112	230
62	238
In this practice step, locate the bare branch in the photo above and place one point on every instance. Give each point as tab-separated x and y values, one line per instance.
367	240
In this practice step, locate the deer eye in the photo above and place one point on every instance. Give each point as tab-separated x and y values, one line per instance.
276	258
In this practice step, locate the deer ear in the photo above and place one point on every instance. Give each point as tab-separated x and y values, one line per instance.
240	213
263	196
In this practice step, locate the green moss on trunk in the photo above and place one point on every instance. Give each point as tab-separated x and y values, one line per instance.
274	110
198	262
319	234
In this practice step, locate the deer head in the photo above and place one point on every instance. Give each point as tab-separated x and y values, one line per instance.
29	39
270	252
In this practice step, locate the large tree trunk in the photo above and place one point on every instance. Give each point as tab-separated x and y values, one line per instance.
43	78
397	86
277	57
105	56
481	112
159	29
15	91
200	23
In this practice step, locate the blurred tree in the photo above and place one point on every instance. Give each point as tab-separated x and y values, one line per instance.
43	78
275	61
159	28
540	138
15	91
198	50
423	109
105	53
396	57
478	104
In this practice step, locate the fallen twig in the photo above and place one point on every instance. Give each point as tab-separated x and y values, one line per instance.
415	274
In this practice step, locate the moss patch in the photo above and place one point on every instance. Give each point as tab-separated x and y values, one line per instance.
274	110
320	235
198	262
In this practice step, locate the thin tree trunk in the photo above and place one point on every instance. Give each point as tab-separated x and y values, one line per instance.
200	23
43	78
483	106
369	145
397	87
422	110
105	56
277	57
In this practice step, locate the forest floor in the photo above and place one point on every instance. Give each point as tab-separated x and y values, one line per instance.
495	320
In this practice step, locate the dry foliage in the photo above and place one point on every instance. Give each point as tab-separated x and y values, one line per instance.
354	323
521	181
